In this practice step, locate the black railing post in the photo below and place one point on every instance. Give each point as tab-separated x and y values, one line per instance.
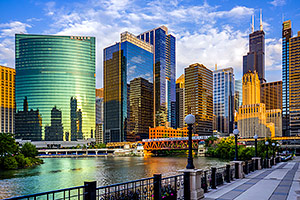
228	173
246	167
157	186
256	164
90	190
204	184
213	177
236	170
187	188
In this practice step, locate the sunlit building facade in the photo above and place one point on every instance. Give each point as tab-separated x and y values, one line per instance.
7	101
131	58
58	71
164	74
223	101
167	132
199	97
180	108
294	65
271	95
253	118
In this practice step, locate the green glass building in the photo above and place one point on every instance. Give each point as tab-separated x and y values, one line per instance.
57	71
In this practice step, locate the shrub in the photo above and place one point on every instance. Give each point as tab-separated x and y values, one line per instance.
20	158
29	150
9	162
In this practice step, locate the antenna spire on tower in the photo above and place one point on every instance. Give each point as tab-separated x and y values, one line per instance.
261	24
252	25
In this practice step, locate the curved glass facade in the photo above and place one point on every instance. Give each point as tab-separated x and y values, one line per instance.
58	72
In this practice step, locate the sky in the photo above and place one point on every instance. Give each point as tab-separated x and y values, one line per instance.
208	32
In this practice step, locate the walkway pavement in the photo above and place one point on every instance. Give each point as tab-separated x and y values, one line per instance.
277	183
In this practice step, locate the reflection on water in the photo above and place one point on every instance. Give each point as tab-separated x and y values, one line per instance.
58	173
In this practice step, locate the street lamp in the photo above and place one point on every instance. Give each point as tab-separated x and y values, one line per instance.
277	149
267	143
190	120
236	133
273	147
255	137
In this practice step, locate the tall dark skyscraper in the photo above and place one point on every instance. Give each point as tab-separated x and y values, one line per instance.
255	58
164	75
286	36
122	62
141	109
55	132
76	120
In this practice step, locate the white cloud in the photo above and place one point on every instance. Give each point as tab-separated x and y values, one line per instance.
278	2
7	44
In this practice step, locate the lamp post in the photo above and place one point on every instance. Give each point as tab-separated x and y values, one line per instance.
255	138
190	120
277	149
236	133
267	143
273	145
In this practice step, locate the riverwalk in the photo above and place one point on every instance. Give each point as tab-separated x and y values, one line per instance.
277	183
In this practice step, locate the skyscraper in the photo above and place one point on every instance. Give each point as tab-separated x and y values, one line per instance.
131	58
199	97
255	58
238	94
294	79
223	100
76	120
164	74
271	95
52	69
286	36
7	102
253	118
180	108
141	109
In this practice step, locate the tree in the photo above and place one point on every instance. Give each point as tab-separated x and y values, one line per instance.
9	162
29	150
8	145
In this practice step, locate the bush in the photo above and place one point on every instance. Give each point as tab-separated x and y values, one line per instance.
20	158
29	150
9	162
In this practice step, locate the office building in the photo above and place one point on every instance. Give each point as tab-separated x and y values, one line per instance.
99	133
28	123
180	108
253	118
164	74
51	70
167	132
223	101
55	132
7	102
271	95
294	85
199	97
128	59
238	94
255	58
286	36
141	109
99	92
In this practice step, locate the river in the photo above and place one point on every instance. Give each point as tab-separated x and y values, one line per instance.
59	173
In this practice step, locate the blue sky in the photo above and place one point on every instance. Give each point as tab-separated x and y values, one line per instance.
208	32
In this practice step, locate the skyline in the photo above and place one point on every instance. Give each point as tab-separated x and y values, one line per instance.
222	36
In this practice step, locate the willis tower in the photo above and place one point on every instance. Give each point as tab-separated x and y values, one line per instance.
255	58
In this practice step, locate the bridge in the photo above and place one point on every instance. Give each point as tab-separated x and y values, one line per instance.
74	152
179	143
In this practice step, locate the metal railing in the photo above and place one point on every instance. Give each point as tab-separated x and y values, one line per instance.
63	194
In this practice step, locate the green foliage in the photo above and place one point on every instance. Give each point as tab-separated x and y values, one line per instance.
210	141
29	150
8	145
9	162
11	157
20	158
